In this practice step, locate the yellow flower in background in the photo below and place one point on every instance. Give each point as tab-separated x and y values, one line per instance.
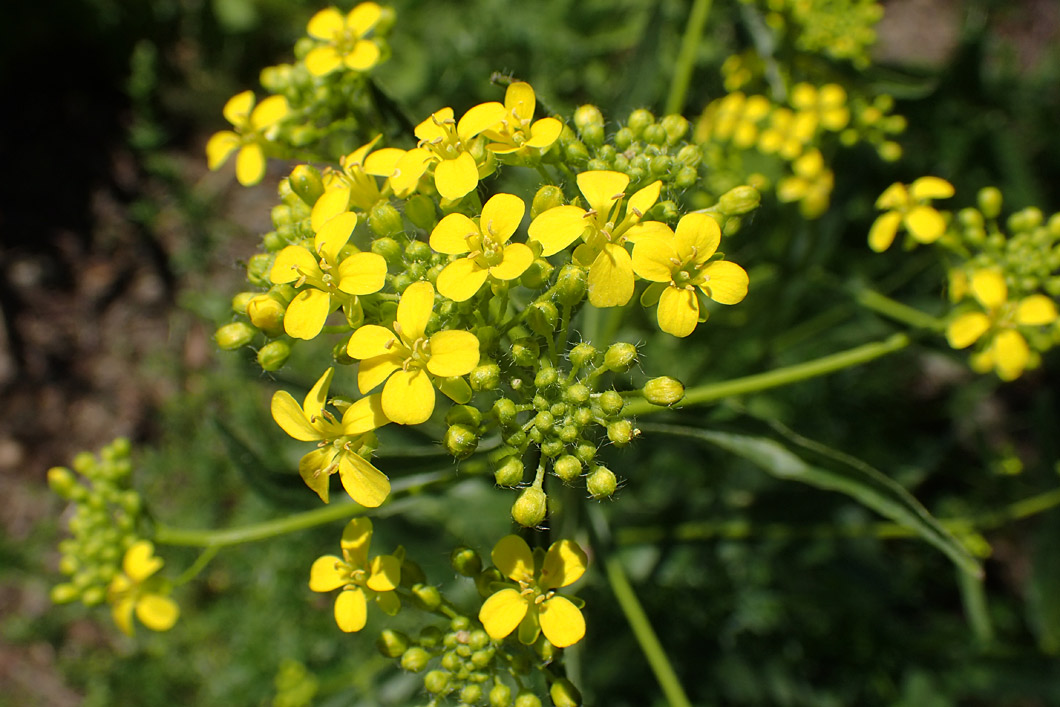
412	363
534	607
361	579
810	185
137	591
829	103
254	127
789	132
518	132
681	265
340	442
604	229
489	254
912	209
345	39
446	144
328	281
1005	348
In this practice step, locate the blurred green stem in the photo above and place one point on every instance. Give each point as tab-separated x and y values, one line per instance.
712	392
897	311
686	59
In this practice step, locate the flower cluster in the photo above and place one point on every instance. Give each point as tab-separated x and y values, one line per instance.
843	31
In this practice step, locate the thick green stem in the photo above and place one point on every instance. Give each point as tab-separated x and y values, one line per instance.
787	375
686	59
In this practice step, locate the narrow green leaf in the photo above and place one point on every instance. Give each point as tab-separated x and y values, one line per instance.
858	480
973	597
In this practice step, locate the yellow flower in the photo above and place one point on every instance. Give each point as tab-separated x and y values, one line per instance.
788	133
1005	348
534	607
408	360
678	266
910	208
810	185
137	591
516	133
254	127
829	103
357	178
341	443
359	578
604	228
327	281
446	144
486	243
344	38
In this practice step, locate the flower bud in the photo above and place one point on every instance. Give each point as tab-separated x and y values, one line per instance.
542	318
306	183
536	276
460	441
567	468
501	695
436	681
527	699
266	313
546	377
64	593
392	644
93	596
739	200
505	411
428	596
465	561
525	351
621	432
384	220
620	357
486	376
570	285
420	210
675	126
547	197
471	694
990	200
463	415
582	355
639	120
258	267
418	251
623	139
611	402
654	134
510	472
62	482
485	581
415	659
564	694
587	116
530	508
234	336
601	482
663	390
273	355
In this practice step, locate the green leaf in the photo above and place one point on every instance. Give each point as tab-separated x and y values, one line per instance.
854	478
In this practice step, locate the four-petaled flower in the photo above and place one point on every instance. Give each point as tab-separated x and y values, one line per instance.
486	243
339	441
407	359
446	144
360	579
356	181
910	208
253	128
329	282
1006	349
678	267
534	607
344	38
137	591
604	228
516	133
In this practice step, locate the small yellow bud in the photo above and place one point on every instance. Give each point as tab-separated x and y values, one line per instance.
621	432
485	377
234	336
583	355
611	402
64	593
384	220
241	300
392	644
567	468
547	197
601	482
465	561
273	355
436	681
530	508
415	659
620	357
527	699
471	694
266	313
460	441
428	596
738	201
663	390
501	696
306	183
564	694
510	472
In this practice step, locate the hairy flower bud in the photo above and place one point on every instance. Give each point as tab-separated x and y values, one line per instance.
415	659
266	313
582	355
384	220
739	200
273	355
536	276
258	267
436	681
571	285
530	508
501	695
620	357
527	699
460	441
392	644
567	468
542	318
611	402
428	596
663	390
485	376
547	197
306	183
234	336
601	482
510	472
525	351
564	693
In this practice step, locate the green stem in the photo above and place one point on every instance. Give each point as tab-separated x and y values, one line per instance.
686	58
893	309
825	365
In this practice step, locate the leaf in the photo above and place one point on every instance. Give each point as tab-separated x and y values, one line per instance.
854	478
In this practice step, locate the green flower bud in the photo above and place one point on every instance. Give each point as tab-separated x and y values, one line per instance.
1053	226
486	579
527	699
660	166
675	126
510	472
465	561
64	593
485	377
274	241
739	200
576	152
547	197
429	637
525	351
234	336
582	355
93	596
536	276
686	177
460	623
418	251
266	313
241	300
505	412
428	596
654	134
611	402
990	200
621	432
478	640
601	482
639	120
460	441
620	357
420	210
577	394
471	694
663	390
436	681
62	482
392	644
889	151
258	268
281	215
501	696
546	377
585	452
306	183
463	415
552	447
530	508
567	468
623	139
544	421
273	355
415	659
482	659
587	116
384	220
542	318
571	285
564	694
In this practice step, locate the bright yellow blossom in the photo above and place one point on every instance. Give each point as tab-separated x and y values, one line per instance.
516	133
912	209
811	184
340	442
534	607
489	254
829	102
679	266
254	127
344	37
1005	348
604	228
408	360
357	179
359	578
137	591
446	144
788	133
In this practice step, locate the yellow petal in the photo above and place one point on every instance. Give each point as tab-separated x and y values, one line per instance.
561	622
611	277
501	216
364	56
250	164
453	353
699	234
724	282
451	234
414	310
351	610
557	228
220	146
237	109
371	340
1036	310
644	199
431	129
883	231
512	556
363	416
122	613
925	224
648	229
362	273
989	288
326	24
313	405
331	203
502	612
364	483
157	612
930	188
363	18
516	258
288	415
269	112
408	397
321	61
140	562
327	574
356	538
678	311
602	189
384	573
456	177
1011	354
652	259
334	235
306	314
478	118
966	329
461	279
543	133
383	162
893	197
564	564
315	468
520	100
373	371
291	263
